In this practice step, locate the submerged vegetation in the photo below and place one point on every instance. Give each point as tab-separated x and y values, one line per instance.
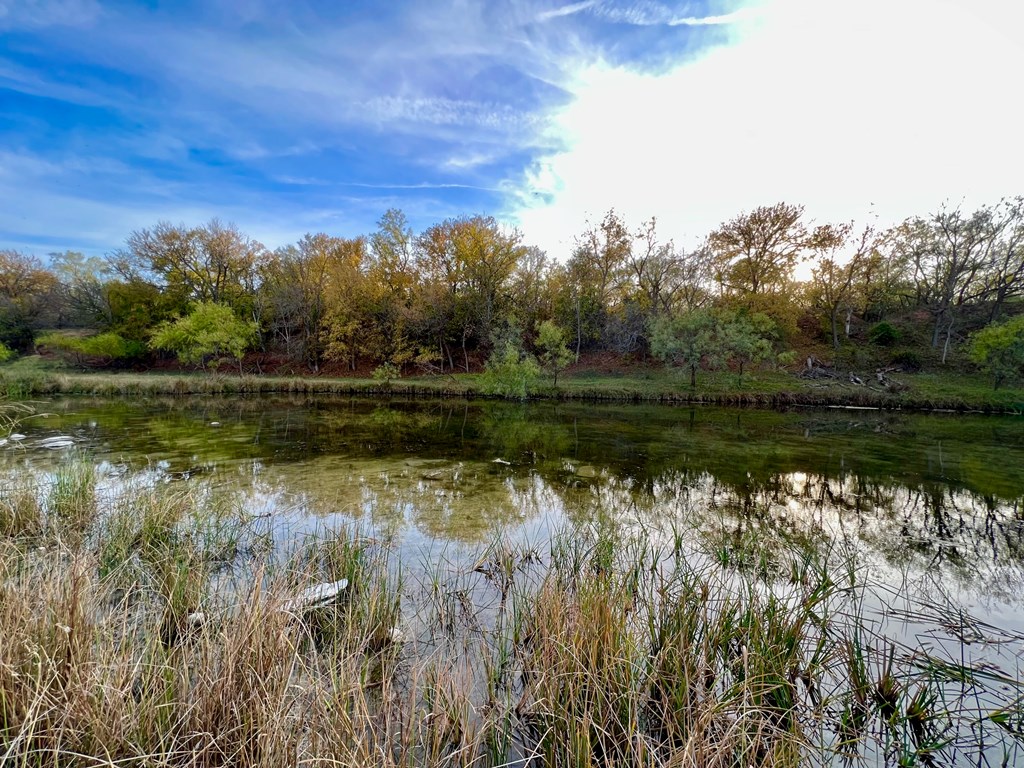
158	630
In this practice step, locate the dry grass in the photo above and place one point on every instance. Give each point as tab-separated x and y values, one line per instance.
145	634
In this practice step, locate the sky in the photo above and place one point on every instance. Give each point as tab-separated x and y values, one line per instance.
295	116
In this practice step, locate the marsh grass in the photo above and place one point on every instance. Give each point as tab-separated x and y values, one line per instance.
939	391
159	636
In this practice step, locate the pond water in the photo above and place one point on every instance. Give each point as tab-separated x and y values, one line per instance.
930	505
934	498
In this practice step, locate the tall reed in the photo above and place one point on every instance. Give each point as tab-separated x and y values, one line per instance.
160	637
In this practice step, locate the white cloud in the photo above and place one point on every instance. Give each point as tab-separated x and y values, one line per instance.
846	107
710	21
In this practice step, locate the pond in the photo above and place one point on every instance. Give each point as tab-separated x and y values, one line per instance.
936	496
927	509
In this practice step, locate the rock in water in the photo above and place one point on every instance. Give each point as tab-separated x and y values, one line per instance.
316	596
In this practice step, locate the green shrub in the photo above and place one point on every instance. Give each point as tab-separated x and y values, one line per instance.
509	373
101	349
786	359
5	353
883	334
999	350
207	333
386	372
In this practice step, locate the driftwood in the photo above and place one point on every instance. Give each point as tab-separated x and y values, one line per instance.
816	369
316	596
890	385
174	629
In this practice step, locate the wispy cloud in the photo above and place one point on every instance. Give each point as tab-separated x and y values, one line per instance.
419	185
642	13
439	107
30	14
566	10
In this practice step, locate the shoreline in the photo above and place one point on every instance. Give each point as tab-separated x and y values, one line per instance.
784	391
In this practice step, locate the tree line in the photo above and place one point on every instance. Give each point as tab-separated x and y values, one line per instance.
447	298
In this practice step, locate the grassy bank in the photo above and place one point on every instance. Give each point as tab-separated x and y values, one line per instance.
924	391
151	628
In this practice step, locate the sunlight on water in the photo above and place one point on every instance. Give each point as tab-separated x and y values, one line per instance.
929	508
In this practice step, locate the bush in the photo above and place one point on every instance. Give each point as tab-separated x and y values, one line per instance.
999	350
15	334
101	349
786	359
207	333
883	334
5	353
908	361
509	373
385	372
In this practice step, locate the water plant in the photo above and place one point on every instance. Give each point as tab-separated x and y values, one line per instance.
157	639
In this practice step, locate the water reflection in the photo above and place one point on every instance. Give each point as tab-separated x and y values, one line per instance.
936	497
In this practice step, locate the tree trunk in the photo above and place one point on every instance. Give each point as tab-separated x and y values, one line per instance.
945	347
693	377
835	326
998	305
579	331
936	331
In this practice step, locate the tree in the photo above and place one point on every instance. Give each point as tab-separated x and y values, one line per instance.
692	340
1004	274
135	307
387	292
745	338
102	349
593	276
532	286
208	332
215	262
465	265
82	283
839	270
756	252
310	291
27	293
999	350
554	355
391	253
948	254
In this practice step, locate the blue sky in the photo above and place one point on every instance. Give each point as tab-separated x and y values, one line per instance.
290	116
